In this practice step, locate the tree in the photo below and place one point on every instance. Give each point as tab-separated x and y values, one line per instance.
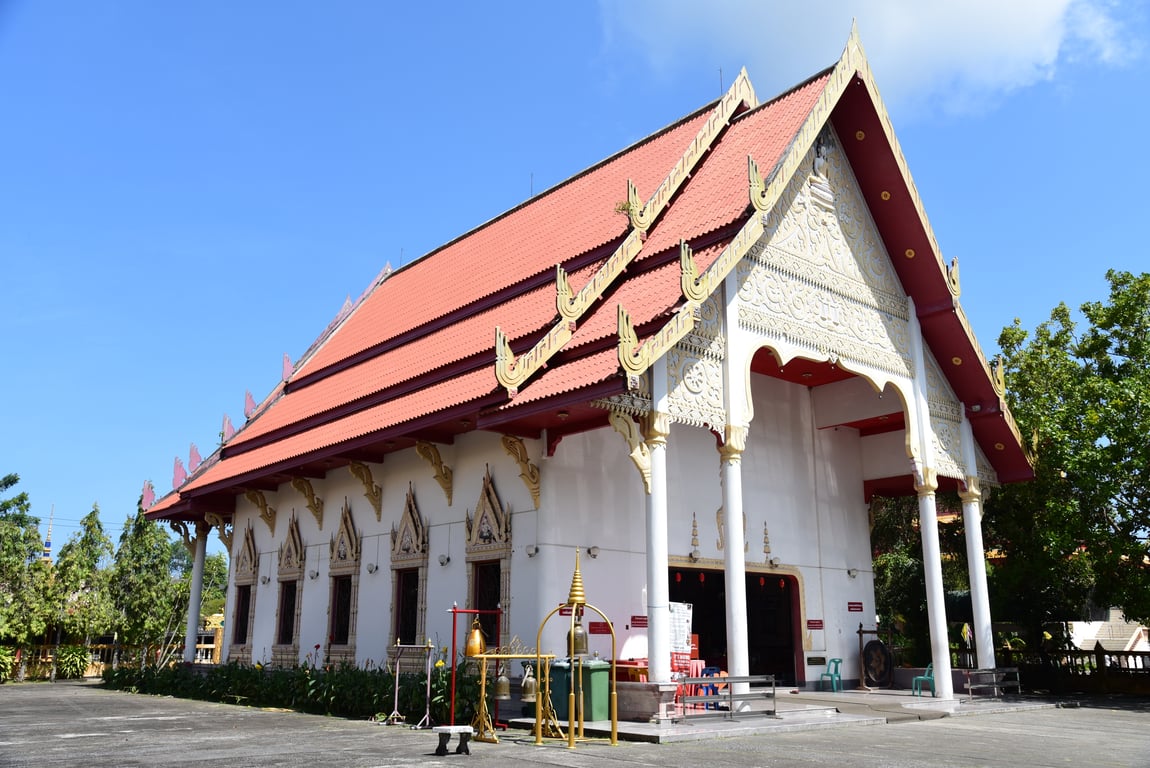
147	601
83	570
1076	536
25	580
900	578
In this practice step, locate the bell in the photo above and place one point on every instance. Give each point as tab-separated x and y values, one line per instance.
476	645
577	639
529	686
501	691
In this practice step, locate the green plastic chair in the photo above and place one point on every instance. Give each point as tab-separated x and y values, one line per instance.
926	677
833	675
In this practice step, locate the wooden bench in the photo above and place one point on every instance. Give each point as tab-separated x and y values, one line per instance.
445	732
723	700
995	681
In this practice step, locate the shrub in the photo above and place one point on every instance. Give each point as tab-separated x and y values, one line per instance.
71	661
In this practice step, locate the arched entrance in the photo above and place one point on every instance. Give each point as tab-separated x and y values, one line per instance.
772	619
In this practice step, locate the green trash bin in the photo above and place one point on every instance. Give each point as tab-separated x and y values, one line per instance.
596	684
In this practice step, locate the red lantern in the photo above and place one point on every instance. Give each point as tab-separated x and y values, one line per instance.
702	576
762	581
782	583
678	577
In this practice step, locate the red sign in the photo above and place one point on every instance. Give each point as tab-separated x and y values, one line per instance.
598	628
565	610
639	622
854	607
814	623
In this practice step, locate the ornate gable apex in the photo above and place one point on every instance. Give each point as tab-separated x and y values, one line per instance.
409	540
346	542
292	551
248	559
489	530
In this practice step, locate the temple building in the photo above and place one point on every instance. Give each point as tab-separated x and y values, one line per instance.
694	363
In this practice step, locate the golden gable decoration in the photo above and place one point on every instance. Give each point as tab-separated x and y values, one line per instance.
267	512
346	543
489	530
292	551
248	559
409	540
314	503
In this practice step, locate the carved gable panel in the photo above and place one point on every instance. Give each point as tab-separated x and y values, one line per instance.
489	529
248	559
820	280
292	551
409	540
346	544
695	370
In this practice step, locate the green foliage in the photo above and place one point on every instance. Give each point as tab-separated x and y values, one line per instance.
25	581
83	576
148	604
71	661
1076	536
7	662
341	691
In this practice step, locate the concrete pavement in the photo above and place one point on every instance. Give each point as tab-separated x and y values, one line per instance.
81	724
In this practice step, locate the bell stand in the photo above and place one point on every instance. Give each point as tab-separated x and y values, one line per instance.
576	605
395	717
484	728
455	610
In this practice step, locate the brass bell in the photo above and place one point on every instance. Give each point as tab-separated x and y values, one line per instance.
501	691
476	645
577	639
529	687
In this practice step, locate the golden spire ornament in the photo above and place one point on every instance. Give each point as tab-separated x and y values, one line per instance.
577	596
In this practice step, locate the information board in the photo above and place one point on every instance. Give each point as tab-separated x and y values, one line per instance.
681	614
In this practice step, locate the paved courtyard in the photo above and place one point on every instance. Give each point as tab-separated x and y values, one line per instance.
81	724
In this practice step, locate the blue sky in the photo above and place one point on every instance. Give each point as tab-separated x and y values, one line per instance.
188	191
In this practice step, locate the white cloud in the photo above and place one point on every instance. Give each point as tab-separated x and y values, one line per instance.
947	54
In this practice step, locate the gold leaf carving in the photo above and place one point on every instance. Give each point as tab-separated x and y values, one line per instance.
443	473
313	502
223	525
181	529
640	451
267	512
689	274
527	471
371	490
757	189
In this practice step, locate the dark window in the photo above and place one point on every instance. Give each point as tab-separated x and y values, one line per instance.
407	605
243	609
486	597
286	633
340	629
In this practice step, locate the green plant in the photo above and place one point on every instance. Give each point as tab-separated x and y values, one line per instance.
7	661
71	661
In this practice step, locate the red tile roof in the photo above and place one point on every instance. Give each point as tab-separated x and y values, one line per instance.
418	350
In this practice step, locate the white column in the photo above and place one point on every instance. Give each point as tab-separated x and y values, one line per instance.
656	427
191	635
971	495
734	559
976	563
926	485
